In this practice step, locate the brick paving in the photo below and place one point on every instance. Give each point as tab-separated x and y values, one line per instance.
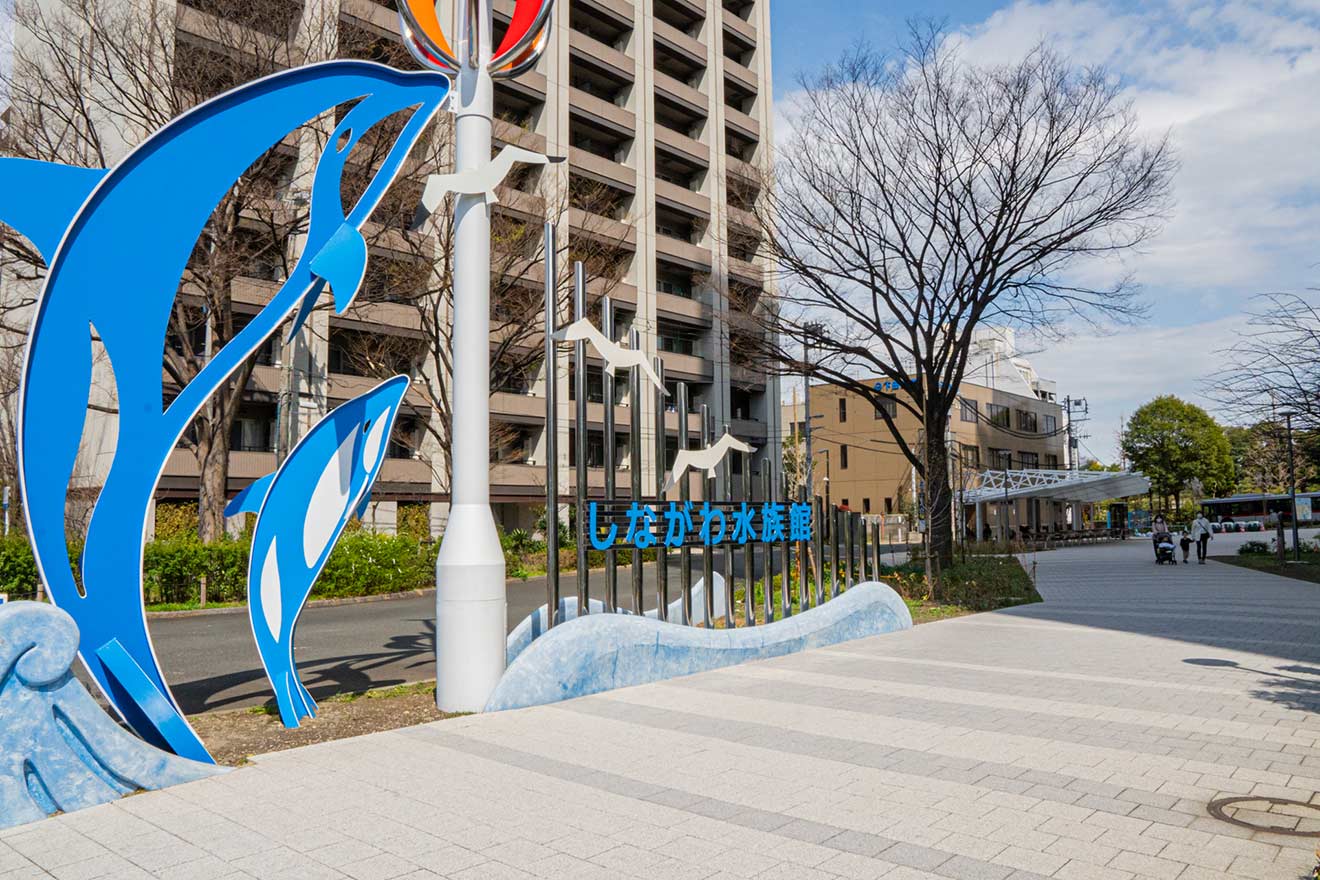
1077	739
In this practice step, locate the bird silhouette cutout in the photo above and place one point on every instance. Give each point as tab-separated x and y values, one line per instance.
704	459
482	179
615	355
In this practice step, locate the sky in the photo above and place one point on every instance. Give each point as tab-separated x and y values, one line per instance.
1237	87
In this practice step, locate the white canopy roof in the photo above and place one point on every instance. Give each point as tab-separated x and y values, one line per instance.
1056	485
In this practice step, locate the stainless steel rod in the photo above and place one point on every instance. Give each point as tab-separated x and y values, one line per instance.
551	429
818	540
849	523
727	554
608	440
768	548
785	556
580	433
749	552
834	553
875	550
661	458
635	460
804	567
685	495
707	552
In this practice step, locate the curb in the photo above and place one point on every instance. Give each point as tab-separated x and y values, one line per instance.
315	603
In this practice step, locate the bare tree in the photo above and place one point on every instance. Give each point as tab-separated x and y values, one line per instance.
92	79
916	198
1274	365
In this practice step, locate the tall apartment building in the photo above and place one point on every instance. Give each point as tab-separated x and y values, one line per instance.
1007	418
665	107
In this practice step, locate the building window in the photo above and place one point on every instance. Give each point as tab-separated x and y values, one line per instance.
969	412
843	409
866	505
1049	424
971	457
887	406
1051	461
1027	421
1001	459
889	505
844	504
998	415
843	457
1029	460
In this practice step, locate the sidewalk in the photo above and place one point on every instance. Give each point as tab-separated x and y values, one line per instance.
1080	738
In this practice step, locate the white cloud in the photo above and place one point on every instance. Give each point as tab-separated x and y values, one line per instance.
1118	372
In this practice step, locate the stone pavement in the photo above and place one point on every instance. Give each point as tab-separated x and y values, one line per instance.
1078	739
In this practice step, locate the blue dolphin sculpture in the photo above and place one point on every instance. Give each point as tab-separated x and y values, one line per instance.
301	510
117	243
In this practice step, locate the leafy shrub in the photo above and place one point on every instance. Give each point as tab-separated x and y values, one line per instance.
414	521
176	521
18	567
1255	548
172	570
367	564
987	582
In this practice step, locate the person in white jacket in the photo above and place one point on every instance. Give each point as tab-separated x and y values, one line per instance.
1201	534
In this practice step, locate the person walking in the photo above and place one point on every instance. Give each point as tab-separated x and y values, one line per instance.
1201	534
1157	527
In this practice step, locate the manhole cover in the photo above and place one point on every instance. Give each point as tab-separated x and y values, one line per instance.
1276	815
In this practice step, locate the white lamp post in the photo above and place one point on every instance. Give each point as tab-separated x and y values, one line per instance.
471	601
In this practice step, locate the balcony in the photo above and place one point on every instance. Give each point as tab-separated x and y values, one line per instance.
741	30
602	169
607	58
740	75
683	253
687	367
743	219
673	39
619	10
742	124
375	315
671	419
518	409
750	429
682	146
340	387
604	114
680	198
396	473
748	273
509	133
683	308
682	94
744	170
380	17
605	230
690	10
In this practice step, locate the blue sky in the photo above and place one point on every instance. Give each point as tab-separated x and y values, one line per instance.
1237	87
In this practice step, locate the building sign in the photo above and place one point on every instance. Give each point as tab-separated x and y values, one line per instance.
1304	512
695	524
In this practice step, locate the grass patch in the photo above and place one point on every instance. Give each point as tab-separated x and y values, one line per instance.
1308	570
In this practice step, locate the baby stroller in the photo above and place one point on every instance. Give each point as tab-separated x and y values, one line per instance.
1164	548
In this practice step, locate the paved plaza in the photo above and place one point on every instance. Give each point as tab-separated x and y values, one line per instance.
1079	739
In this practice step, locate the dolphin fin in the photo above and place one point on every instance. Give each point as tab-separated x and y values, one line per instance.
362	505
250	499
305	309
42	198
342	261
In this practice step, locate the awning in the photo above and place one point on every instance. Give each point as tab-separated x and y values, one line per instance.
1083	486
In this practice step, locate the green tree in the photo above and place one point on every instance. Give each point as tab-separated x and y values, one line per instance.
1173	443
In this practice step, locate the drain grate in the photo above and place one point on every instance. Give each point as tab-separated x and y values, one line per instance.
1275	815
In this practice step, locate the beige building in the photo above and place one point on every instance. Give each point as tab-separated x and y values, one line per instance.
663	105
1007	418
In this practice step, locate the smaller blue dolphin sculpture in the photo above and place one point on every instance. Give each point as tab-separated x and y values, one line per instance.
301	510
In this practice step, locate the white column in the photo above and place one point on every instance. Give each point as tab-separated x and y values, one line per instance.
470	596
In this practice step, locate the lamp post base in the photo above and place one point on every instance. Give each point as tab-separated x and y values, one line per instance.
471	611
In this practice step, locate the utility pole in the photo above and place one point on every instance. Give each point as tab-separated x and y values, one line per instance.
1069	407
808	330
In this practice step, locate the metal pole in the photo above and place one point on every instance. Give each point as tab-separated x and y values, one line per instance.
661	551
806	420
707	557
609	439
551	430
685	495
727	465
785	556
635	459
1292	491
471	602
875	550
818	538
835	516
804	594
749	551
863	558
580	434
849	527
768	548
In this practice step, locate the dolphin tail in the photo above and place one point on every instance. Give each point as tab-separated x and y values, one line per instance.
42	198
342	262
305	310
286	701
